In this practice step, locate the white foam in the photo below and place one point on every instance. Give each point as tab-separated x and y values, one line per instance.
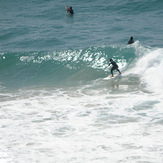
80	124
149	66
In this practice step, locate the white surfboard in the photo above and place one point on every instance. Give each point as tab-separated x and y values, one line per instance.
114	77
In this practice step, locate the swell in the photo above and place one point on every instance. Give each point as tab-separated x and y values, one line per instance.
57	67
69	67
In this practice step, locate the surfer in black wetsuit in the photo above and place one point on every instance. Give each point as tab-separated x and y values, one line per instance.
69	10
131	40
114	67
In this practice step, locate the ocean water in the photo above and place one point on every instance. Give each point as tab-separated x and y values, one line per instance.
55	104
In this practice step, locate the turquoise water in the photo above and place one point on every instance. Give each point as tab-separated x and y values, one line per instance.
55	105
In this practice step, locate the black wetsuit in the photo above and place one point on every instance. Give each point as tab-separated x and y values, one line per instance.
70	11
130	41
115	67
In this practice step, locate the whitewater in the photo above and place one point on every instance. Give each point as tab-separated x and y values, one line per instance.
84	117
55	104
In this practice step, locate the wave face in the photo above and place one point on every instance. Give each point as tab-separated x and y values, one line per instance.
69	67
58	67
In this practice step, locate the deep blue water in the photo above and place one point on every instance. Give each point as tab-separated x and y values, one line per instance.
43	25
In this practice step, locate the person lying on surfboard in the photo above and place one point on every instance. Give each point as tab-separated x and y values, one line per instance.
69	10
114	67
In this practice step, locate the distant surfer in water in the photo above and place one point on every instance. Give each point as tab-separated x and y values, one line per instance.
131	41
69	10
114	67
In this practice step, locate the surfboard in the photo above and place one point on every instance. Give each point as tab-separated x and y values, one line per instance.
114	77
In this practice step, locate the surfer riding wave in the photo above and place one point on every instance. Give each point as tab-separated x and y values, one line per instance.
114	67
